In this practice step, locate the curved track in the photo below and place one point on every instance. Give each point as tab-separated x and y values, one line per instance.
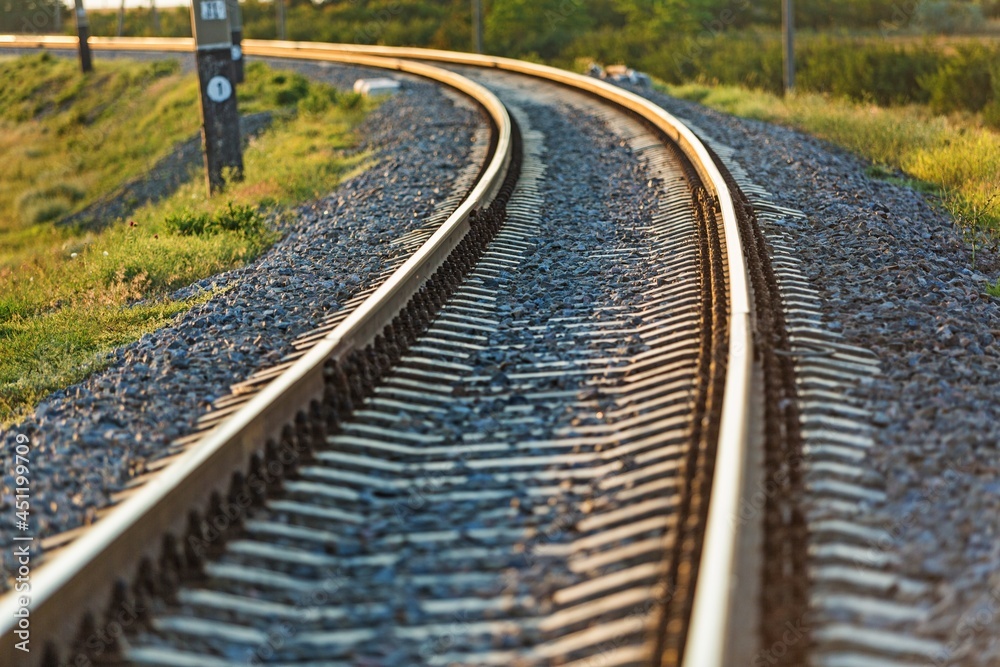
618	503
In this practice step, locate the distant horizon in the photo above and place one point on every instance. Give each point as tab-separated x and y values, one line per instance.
115	4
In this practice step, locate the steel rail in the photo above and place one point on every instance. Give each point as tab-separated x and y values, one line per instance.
72	584
714	622
716	617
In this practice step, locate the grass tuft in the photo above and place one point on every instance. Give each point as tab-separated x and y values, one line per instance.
242	220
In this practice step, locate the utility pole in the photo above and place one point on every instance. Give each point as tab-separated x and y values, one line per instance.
121	19
788	26
155	17
236	30
220	129
57	17
280	8
477	25
83	32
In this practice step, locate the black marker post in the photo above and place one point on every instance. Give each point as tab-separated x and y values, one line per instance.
220	129
83	30
236	27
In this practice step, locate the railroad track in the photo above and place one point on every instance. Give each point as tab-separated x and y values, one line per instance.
453	471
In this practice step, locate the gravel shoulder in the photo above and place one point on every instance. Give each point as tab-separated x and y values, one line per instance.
897	279
89	439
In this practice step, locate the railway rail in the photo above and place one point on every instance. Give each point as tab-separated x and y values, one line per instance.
613	470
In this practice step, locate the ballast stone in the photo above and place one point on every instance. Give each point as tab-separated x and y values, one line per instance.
378	86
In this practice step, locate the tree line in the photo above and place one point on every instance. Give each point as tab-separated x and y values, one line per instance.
844	48
545	28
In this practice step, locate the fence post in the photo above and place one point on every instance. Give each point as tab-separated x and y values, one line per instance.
788	25
477	25
83	31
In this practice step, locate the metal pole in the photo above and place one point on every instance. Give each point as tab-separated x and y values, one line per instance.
156	17
477	25
83	31
281	18
236	29
788	24
220	118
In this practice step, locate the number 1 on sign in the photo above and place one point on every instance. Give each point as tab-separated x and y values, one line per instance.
213	10
219	89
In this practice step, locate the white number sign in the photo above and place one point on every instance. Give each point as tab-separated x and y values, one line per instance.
213	10
219	89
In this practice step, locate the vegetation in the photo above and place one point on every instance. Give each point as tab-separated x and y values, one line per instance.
70	295
551	25
32	15
952	75
955	157
889	55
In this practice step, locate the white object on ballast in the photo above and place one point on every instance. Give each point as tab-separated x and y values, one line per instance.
376	86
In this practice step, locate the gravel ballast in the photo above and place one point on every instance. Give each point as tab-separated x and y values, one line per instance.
897	279
87	440
504	463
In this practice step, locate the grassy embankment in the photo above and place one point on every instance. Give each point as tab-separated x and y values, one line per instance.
69	295
955	157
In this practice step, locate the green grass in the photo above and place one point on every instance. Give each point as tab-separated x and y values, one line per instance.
955	157
69	296
67	138
62	346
